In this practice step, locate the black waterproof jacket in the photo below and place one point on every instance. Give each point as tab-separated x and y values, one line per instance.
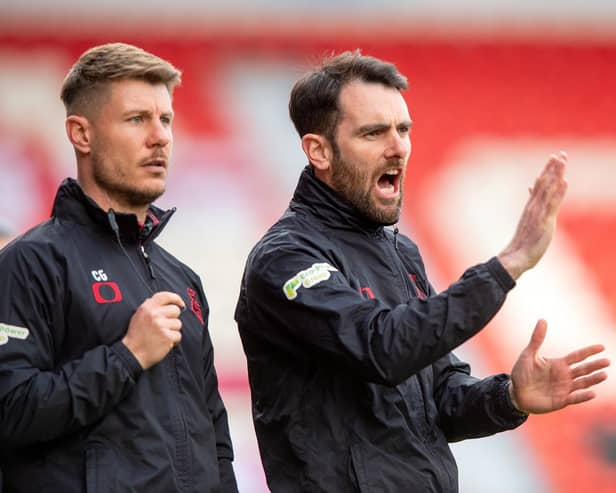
77	412
354	387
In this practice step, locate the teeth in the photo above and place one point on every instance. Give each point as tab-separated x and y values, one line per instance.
388	189
392	172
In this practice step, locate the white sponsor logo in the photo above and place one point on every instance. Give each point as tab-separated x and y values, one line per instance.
307	278
7	331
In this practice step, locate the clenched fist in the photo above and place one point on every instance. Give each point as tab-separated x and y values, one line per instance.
155	328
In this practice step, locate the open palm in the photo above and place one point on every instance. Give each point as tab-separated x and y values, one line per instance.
541	385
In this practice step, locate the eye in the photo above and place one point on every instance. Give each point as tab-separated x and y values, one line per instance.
136	119
166	120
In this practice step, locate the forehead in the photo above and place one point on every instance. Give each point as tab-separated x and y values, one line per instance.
362	102
140	95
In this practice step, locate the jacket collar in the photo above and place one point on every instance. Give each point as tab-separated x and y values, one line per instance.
72	204
314	195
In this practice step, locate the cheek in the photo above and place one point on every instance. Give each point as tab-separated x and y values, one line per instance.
127	147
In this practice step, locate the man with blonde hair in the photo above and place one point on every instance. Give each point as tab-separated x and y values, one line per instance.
107	381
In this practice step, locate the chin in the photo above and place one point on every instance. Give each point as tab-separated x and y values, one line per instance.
145	196
384	218
389	221
388	215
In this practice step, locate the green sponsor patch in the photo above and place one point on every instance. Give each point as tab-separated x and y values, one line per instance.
7	331
307	278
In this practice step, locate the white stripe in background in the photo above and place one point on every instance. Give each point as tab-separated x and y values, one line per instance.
476	204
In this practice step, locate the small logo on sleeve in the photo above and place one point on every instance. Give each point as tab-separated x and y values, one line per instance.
307	278
13	331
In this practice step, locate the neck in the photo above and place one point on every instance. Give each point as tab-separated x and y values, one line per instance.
106	201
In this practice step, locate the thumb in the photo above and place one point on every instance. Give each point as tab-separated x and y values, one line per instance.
538	336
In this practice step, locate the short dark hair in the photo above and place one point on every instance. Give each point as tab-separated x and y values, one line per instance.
313	105
96	68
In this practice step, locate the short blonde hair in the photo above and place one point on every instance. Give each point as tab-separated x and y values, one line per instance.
89	78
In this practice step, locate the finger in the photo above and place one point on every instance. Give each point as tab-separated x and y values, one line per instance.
172	324
582	354
168	298
588	368
174	336
557	163
563	155
557	184
579	397
589	381
538	336
169	311
551	169
165	325
554	170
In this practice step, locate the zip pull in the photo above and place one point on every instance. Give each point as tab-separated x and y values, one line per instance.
396	231
148	262
114	224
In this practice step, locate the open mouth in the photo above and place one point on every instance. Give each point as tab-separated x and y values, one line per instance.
388	183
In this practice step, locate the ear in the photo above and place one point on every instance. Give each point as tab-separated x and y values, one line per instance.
319	152
78	130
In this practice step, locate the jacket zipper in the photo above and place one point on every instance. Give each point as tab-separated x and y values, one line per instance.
426	430
418	281
429	434
170	362
148	262
398	261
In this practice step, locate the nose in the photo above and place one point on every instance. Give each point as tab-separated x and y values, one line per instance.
160	134
398	146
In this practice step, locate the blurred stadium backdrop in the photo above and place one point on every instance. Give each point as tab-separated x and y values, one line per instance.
494	88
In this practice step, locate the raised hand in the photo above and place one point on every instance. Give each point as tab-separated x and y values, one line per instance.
541	385
155	328
538	221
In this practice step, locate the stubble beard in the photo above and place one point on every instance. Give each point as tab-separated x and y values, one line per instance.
117	186
350	183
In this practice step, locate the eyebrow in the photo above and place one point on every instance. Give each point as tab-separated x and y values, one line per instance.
371	127
168	114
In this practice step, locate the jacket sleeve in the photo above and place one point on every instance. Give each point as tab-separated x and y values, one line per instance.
295	296
224	447
470	407
41	400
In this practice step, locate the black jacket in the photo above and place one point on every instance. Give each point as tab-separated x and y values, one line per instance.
77	412
354	387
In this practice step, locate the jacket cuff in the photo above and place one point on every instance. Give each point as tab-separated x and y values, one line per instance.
227	476
506	406
125	356
500	274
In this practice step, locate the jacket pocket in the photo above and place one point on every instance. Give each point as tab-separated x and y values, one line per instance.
389	469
